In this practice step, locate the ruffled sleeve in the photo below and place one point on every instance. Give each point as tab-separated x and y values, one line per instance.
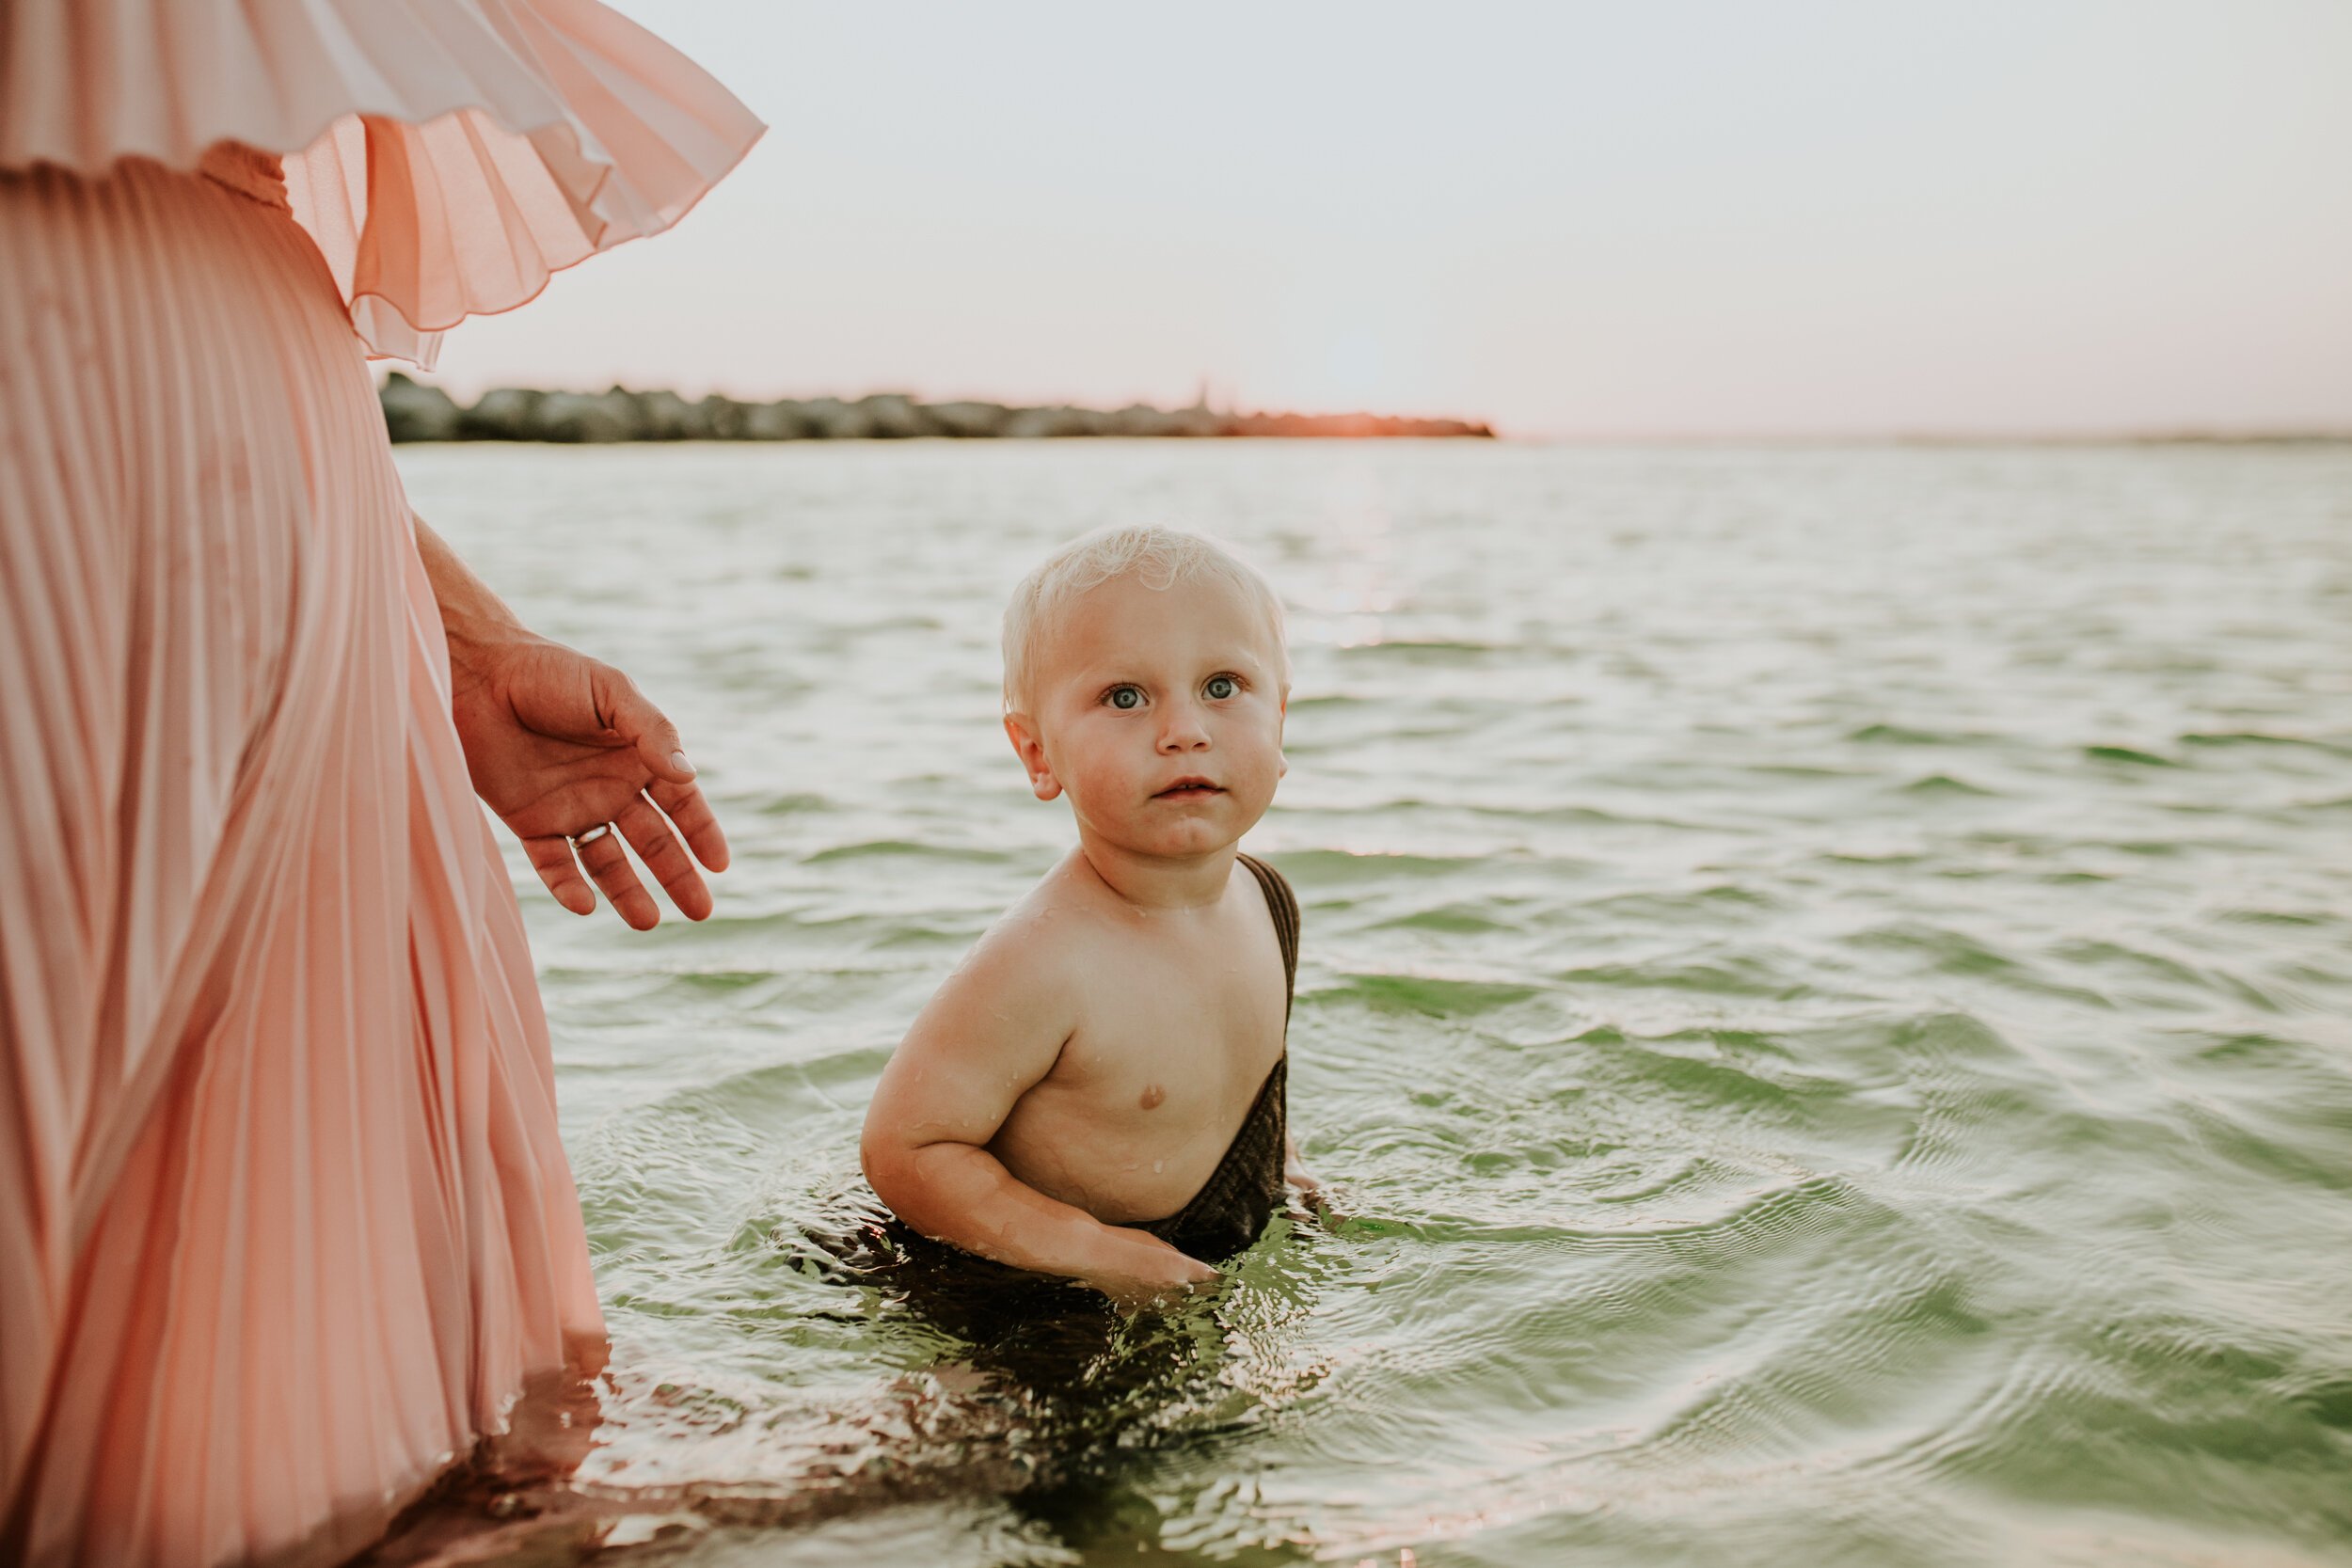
448	156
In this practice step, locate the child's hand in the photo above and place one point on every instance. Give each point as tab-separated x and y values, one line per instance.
1312	1198
1313	1201
1147	1269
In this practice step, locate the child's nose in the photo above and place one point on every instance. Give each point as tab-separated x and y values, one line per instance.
1182	729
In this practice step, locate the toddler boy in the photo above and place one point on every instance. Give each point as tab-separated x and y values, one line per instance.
1098	1089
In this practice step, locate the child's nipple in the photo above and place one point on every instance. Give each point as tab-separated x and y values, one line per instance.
1152	1095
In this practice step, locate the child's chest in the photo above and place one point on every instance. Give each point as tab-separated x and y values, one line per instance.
1179	1039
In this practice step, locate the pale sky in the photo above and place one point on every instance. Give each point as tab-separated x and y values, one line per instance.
1670	217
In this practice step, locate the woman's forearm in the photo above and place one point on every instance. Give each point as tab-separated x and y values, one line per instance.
471	615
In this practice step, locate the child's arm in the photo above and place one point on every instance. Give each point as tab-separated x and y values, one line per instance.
991	1032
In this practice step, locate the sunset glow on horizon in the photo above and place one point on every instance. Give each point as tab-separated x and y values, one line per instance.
1689	220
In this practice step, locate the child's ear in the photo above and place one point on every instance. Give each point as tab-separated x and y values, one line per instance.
1031	750
1281	758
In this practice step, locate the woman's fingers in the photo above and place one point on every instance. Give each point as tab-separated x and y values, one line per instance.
630	714
648	833
692	815
654	828
551	857
607	862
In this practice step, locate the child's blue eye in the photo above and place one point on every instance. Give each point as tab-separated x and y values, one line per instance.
1222	687
1125	697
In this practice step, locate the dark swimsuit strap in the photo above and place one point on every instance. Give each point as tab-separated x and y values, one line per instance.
1282	904
1232	1205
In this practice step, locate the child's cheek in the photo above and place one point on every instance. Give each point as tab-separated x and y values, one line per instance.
1106	783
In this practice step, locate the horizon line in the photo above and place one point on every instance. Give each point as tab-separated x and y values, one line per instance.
2122	435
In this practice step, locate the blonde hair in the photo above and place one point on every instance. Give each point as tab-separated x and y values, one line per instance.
1157	557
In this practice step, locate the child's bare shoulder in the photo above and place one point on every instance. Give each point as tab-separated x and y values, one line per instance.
1038	954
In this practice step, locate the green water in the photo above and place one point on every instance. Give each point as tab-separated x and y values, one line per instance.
1824	1004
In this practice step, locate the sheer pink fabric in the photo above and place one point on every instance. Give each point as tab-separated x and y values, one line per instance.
284	1220
447	155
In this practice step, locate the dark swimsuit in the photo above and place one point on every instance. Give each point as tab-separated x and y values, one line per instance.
1239	1196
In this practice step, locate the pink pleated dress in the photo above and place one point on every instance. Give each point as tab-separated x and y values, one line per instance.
284	1222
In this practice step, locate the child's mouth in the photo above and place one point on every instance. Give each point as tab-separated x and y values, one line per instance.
1190	789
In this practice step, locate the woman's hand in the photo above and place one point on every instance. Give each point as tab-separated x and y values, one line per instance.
558	742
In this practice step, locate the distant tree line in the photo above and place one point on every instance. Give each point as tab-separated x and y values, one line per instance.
415	412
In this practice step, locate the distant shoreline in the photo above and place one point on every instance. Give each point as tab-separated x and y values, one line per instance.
416	412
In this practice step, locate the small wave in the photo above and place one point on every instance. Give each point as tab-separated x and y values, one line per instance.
1955	953
1889	857
1530	812
1762	1220
2113	955
726	983
1420	994
2242	1146
790	805
777	1095
1451	919
1722	899
1736	977
1343	866
1428	648
1736	1081
1871	1328
1802	771
2261	738
1594	816
1756	1218
1943	783
1899	735
2328	1403
903	848
2278	918
2128	755
2251	1048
